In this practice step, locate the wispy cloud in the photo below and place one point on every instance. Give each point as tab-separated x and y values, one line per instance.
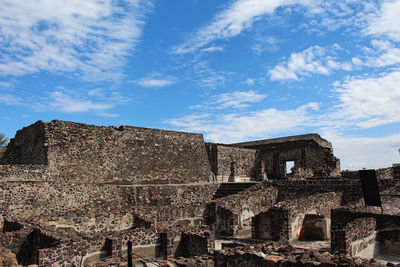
229	23
382	53
356	153
234	127
157	81
68	104
237	99
304	63
6	85
212	48
331	15
97	101
11	100
88	37
264	43
250	81
206	76
368	102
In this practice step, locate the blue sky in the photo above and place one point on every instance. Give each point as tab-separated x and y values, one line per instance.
233	70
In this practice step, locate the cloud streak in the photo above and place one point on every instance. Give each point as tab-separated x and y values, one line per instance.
89	37
155	82
240	126
229	23
235	100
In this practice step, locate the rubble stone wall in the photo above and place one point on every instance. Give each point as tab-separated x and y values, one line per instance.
243	161
23	172
272	224
305	154
87	153
167	204
28	146
2	151
89	207
383	173
352	232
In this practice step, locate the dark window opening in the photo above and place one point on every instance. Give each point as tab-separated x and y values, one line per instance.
314	228
29	251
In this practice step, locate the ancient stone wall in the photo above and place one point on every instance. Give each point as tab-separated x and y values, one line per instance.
89	207
310	153
309	204
236	162
2	151
169	204
383	173
87	153
28	146
24	173
364	233
272	224
307	155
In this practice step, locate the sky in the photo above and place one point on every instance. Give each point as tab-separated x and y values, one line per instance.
233	70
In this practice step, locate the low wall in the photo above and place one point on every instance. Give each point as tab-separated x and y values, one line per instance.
89	207
364	234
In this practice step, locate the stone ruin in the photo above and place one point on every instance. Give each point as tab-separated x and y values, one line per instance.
73	194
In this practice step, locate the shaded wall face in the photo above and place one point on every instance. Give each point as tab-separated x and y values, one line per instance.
136	155
271	225
239	162
92	207
28	146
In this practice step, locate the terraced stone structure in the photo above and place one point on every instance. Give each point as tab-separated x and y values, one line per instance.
73	194
81	152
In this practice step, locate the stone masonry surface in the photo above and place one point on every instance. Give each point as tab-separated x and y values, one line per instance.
71	194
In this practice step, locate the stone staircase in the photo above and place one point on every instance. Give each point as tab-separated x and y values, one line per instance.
227	189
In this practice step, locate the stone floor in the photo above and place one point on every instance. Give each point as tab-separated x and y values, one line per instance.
384	259
321	246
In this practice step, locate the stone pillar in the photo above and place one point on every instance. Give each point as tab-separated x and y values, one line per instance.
167	246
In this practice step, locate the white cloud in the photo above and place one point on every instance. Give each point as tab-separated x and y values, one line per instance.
383	53
387	21
264	43
238	99
242	14
10	99
234	127
369	102
364	152
6	85
68	104
206	76
229	23
89	37
212	48
249	81
97	101
311	60
154	81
